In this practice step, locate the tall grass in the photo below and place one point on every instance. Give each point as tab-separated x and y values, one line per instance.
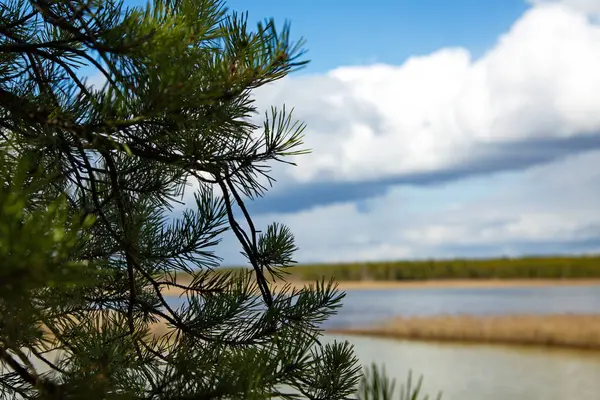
376	385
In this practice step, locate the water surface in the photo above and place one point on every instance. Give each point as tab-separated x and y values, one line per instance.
482	372
476	372
364	307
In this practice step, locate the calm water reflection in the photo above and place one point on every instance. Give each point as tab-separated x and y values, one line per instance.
479	372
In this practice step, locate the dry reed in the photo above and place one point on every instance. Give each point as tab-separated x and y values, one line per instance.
563	330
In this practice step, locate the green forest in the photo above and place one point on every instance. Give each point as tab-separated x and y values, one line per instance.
563	267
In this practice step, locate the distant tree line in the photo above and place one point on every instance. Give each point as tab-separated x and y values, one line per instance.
557	267
501	268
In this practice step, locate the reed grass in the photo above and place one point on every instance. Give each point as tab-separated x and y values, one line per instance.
560	330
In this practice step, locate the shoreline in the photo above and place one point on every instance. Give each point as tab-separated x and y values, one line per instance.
433	284
569	331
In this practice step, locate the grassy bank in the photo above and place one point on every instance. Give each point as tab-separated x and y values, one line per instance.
564	330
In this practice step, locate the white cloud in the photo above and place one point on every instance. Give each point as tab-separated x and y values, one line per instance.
586	6
539	82
549	204
442	110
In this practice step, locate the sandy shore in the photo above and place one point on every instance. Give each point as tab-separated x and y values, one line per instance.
437	284
561	330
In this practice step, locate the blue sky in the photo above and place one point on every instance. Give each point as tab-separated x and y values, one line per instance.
356	32
461	128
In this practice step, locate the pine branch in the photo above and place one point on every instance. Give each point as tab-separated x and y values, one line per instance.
176	105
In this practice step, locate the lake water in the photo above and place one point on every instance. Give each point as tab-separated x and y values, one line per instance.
481	372
477	372
364	307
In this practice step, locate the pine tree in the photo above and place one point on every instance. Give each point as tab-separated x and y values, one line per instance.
89	239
